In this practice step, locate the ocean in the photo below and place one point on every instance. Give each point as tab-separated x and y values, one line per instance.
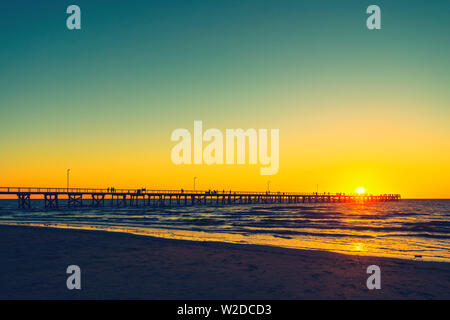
407	229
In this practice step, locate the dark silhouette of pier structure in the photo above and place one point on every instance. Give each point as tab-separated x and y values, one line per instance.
88	197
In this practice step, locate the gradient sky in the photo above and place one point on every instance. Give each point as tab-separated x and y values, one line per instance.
354	107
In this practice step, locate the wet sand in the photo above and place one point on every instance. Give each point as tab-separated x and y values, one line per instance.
33	262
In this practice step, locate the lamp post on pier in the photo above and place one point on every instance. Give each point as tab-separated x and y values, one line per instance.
68	174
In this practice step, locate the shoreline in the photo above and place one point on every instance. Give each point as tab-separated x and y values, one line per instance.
125	266
184	235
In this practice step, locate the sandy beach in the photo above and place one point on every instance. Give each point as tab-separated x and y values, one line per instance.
124	266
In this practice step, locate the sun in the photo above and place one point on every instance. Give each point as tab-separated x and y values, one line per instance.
360	190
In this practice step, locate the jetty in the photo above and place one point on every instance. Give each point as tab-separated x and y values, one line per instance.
111	197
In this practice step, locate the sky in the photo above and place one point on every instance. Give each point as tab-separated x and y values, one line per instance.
355	107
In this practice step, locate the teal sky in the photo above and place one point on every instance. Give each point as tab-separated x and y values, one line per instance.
187	55
139	69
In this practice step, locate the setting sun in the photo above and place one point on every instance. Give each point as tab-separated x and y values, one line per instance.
360	190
